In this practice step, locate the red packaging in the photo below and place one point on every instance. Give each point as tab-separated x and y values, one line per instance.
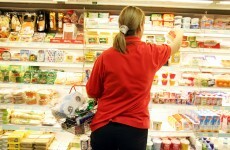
175	145
166	144
209	44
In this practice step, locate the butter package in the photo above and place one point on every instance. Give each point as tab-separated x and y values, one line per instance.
168	17
168	24
13	146
157	23
27	143
156	17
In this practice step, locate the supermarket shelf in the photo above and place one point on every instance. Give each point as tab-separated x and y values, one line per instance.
152	30
98	46
189	88
41	45
24	106
55	128
205	50
186	134
211	134
156	133
181	68
187	107
48	64
39	86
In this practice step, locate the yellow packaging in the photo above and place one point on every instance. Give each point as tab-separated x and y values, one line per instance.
15	139
174	123
13	146
27	143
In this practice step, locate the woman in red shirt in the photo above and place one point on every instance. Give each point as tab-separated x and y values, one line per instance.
120	82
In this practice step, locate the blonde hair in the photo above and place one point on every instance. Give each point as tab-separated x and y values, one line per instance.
133	18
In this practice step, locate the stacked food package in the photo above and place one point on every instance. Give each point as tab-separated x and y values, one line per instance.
28	96
26	140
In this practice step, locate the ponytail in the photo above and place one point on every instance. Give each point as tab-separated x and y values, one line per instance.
119	43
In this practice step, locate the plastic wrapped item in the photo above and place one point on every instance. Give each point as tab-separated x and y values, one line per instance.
222	80
30	97
157	23
155	17
14	36
24	55
168	17
38	37
28	24
4	26
15	23
204	80
43	97
168	24
206	22
18	97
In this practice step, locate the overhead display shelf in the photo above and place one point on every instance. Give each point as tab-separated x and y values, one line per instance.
179	6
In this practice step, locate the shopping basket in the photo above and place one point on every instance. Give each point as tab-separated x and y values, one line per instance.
77	121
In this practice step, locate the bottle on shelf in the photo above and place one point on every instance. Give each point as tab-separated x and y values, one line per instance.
41	22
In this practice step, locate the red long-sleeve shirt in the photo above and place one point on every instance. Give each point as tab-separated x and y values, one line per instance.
122	82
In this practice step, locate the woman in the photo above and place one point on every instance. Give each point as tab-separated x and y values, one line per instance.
120	82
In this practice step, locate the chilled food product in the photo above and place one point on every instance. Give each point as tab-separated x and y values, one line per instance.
24	55
41	21
157	23
41	56
30	97
6	55
222	80
43	97
225	63
50	55
52	21
184	144
166	144
156	17
28	24
38	37
168	17
14	36
4	26
168	24
18	97
206	22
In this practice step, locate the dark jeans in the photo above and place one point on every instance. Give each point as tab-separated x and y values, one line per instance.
116	136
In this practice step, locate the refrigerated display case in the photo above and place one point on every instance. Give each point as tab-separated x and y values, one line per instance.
195	83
